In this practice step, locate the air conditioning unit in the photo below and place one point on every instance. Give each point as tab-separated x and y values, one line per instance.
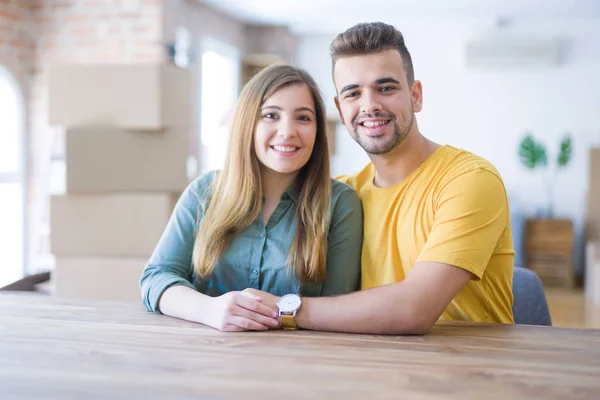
514	52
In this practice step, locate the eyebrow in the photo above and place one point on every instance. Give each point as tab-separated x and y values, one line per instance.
297	109
380	81
387	79
348	87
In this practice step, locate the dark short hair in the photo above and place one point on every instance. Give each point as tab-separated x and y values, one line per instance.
369	38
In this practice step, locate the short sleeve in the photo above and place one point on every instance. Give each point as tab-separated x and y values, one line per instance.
470	215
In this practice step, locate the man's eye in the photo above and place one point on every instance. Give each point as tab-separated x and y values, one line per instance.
352	94
387	88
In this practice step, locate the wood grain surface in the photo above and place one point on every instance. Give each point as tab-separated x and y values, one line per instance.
61	349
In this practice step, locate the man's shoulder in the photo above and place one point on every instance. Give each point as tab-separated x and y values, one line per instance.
339	186
455	162
356	181
468	176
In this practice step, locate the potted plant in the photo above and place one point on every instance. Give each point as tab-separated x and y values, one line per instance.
533	155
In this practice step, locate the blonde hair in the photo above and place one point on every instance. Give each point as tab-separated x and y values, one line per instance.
237	191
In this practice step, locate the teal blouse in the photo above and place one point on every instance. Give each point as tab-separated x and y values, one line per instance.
257	257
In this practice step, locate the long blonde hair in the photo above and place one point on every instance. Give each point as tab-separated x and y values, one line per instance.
237	191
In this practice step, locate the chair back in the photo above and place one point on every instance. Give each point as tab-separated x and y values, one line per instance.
530	306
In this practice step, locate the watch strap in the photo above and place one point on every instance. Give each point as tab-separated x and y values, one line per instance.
288	322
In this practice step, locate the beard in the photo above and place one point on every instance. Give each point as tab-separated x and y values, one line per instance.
382	145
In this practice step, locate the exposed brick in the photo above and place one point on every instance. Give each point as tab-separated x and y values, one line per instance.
36	5
84	31
60	3
8	14
84	18
36	33
17	43
96	3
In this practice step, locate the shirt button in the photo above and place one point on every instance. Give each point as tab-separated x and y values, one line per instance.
255	272
262	235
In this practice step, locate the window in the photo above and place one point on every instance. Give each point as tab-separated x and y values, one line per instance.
219	88
12	243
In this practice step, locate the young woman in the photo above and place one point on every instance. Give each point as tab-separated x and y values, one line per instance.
272	219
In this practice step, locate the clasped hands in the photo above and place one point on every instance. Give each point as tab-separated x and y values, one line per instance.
248	310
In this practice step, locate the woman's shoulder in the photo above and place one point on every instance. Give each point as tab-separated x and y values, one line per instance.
346	207
339	188
201	186
343	194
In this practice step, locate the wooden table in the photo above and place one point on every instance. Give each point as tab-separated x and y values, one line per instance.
60	349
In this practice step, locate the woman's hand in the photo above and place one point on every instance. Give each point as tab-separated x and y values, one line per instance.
268	299
241	311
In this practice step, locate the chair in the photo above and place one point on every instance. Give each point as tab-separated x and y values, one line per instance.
530	306
28	283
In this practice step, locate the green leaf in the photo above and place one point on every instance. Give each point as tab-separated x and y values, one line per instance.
541	154
532	154
565	153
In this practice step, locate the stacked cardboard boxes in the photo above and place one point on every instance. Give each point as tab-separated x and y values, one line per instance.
592	268
126	154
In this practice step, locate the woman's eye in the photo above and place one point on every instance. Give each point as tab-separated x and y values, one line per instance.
270	116
305	118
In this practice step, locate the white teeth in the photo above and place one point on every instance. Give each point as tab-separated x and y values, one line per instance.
285	149
373	124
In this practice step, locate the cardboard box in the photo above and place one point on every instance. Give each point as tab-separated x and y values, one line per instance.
108	225
592	272
98	278
136	96
112	160
593	198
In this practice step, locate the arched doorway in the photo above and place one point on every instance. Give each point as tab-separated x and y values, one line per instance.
12	179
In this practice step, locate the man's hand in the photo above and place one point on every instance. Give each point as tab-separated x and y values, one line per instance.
267	299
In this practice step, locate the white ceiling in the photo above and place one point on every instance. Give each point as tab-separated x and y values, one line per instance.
331	16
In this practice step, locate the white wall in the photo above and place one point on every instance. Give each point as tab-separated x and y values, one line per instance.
487	112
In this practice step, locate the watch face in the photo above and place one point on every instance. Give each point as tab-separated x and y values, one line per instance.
289	303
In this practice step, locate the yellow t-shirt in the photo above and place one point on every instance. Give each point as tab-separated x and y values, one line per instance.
453	209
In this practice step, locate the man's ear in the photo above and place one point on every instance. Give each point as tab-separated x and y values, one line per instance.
337	105
416	93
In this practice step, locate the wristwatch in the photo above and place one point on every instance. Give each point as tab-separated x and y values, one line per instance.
288	306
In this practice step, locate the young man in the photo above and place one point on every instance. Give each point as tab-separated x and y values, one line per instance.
437	237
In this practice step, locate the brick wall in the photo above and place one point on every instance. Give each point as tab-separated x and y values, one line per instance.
17	43
16	40
35	33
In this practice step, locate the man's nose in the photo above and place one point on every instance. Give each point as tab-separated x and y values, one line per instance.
369	103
